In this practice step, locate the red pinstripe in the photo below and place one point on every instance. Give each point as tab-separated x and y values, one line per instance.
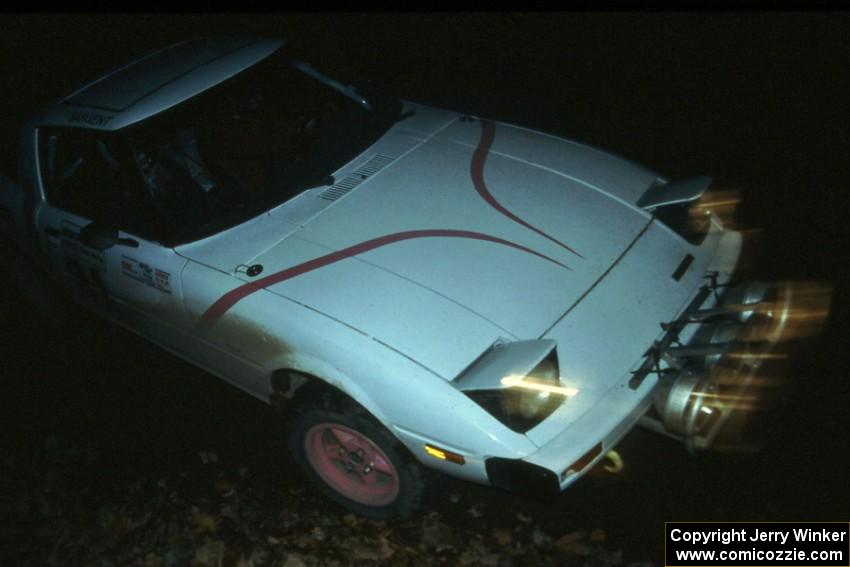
476	167
229	299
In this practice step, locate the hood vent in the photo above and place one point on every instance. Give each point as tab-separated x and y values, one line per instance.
356	177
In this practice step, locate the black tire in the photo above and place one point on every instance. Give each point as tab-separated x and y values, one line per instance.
394	495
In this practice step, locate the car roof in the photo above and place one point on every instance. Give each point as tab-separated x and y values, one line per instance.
156	82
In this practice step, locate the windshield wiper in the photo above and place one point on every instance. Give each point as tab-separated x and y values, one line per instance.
404	116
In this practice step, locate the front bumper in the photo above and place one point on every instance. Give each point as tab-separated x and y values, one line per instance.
561	461
690	389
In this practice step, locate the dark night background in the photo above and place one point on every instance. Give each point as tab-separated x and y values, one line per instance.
759	100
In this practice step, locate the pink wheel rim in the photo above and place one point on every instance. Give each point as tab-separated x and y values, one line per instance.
350	463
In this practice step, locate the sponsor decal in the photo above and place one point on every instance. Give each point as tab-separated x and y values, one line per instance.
141	272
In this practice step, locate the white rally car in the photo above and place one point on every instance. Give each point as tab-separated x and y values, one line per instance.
419	287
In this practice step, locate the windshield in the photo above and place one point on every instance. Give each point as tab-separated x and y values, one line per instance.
251	143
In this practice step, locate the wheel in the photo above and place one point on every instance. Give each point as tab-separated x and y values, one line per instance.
356	462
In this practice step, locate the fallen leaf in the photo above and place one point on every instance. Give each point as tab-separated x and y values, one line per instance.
204	523
438	535
371	551
210	554
117	523
568	541
479	557
208	457
474	512
502	536
539	538
293	560
229	511
258	557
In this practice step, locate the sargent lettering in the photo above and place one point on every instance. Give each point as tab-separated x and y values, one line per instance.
90	118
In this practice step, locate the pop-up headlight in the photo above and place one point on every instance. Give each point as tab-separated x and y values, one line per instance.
675	204
517	383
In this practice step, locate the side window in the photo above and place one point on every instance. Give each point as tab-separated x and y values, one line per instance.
92	174
175	175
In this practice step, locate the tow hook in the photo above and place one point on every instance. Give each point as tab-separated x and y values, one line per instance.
613	462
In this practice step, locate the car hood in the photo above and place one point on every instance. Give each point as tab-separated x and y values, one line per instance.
469	230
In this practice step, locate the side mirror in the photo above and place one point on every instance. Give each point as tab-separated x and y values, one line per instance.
102	237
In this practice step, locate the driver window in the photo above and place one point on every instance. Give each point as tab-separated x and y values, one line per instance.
91	174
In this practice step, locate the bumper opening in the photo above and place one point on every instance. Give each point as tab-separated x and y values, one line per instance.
522	477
